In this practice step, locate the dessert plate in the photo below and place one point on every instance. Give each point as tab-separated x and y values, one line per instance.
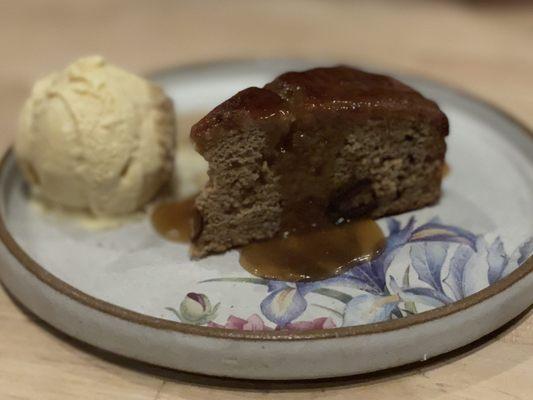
450	273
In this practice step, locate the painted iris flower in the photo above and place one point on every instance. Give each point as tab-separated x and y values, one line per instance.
445	264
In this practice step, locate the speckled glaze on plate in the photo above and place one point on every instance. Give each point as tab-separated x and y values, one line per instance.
450	274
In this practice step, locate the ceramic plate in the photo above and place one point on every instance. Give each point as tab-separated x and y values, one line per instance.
450	273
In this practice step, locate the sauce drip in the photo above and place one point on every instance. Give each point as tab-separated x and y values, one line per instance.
314	254
174	220
301	256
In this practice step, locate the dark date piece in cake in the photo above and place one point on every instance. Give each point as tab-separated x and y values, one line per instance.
314	148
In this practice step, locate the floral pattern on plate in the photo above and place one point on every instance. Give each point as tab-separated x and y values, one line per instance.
445	264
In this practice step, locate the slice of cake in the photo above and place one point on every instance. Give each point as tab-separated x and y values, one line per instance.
314	148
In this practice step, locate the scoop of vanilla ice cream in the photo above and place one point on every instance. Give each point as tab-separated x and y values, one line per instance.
96	137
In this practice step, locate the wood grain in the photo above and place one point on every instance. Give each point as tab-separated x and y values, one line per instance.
485	49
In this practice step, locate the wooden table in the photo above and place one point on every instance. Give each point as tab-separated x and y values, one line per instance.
486	49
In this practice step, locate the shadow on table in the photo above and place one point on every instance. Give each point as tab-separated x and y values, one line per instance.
167	374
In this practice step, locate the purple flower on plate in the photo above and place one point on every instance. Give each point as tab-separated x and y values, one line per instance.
285	302
472	267
500	264
460	278
371	276
368	308
427	259
435	231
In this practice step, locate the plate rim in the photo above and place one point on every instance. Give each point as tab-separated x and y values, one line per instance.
43	275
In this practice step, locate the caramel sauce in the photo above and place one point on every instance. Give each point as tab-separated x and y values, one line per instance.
303	255
174	220
315	254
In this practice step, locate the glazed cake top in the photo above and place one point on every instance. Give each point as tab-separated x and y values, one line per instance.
334	89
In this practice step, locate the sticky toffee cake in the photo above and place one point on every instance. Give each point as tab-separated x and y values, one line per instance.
311	148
